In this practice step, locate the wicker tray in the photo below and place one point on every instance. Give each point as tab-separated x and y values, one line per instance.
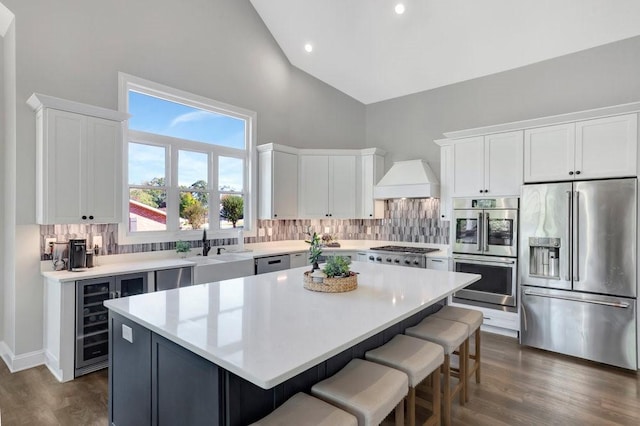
331	285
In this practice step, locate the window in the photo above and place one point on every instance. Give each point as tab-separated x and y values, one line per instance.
188	164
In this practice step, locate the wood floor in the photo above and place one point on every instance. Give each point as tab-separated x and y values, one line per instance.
520	386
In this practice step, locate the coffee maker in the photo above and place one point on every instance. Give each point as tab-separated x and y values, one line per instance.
77	255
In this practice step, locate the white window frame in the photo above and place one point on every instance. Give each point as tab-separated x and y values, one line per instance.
128	82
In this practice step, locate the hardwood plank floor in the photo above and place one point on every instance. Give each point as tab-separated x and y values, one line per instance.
520	386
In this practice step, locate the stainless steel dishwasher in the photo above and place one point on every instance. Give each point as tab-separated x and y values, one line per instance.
272	263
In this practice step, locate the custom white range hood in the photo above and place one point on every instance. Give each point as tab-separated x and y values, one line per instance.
408	179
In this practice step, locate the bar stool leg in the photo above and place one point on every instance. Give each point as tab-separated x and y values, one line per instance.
446	391
463	361
400	413
411	401
435	389
477	357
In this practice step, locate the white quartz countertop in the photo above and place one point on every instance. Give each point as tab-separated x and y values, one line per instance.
268	328
151	261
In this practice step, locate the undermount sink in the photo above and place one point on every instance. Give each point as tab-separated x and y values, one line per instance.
229	257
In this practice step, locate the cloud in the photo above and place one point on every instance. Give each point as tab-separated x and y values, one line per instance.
190	117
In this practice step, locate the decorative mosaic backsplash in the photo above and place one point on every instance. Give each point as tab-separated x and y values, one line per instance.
410	220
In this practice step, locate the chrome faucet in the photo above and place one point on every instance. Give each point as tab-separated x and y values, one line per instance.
206	244
220	250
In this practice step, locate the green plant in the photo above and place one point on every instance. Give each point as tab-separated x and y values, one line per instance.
337	266
183	247
232	208
315	250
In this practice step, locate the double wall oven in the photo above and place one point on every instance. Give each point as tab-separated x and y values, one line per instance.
485	242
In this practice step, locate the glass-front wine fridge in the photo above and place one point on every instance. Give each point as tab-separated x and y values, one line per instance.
92	318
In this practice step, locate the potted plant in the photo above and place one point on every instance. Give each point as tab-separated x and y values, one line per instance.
183	247
315	250
337	267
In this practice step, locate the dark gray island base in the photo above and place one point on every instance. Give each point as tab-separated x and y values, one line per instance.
154	381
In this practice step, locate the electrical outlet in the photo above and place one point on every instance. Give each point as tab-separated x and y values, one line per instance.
48	245
97	241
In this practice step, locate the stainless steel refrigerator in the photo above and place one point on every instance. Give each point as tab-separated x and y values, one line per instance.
578	255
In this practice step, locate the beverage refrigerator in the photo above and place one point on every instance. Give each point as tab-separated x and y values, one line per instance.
578	274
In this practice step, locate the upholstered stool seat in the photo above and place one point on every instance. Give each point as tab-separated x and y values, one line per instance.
473	318
367	390
451	335
304	410
418	359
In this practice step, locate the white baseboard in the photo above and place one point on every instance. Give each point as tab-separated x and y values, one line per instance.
20	362
52	364
499	330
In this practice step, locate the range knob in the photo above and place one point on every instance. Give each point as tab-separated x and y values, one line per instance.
388	259
379	259
371	258
407	262
415	262
396	260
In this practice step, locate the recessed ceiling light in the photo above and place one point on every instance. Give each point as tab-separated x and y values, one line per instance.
308	47
399	8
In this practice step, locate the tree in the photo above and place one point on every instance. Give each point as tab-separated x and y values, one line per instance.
159	196
195	214
232	208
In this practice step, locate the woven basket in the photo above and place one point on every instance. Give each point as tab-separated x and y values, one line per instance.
331	285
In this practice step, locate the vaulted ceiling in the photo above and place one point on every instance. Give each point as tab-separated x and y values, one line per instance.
368	51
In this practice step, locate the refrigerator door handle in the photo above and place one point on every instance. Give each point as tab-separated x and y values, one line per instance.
480	232
622	305
569	242
486	232
577	232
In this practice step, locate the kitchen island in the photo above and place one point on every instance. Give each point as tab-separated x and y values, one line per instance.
230	352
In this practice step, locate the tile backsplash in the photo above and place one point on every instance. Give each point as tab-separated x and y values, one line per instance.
408	220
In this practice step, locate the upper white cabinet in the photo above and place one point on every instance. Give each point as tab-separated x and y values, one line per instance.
590	149
327	186
371	170
446	181
79	162
278	182
487	165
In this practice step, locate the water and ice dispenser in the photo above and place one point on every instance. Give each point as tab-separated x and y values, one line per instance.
544	257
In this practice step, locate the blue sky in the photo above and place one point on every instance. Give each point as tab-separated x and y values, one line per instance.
155	115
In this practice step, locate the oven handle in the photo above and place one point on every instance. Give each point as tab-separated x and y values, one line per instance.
486	232
484	262
480	233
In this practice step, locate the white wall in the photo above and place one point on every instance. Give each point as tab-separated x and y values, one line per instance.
215	48
602	76
2	201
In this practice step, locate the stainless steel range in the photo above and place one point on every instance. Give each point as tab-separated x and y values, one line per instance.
414	257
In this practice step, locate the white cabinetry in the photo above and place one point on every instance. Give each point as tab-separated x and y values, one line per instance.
438	263
371	169
488	165
327	186
79	162
446	181
590	149
278	183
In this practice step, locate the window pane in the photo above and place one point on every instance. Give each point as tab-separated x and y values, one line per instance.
231	211
192	169
146	164
147	210
231	172
160	116
194	210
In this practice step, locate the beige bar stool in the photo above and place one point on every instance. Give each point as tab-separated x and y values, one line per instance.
419	359
451	335
473	318
304	410
367	390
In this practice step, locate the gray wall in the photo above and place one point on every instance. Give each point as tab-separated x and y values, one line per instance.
598	77
219	49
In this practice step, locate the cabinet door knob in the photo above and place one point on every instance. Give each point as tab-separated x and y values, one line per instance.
91	217
481	191
578	172
326	215
486	190
275	215
370	215
84	218
330	215
571	173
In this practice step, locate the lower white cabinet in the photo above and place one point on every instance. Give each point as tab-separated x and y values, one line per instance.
298	260
438	263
